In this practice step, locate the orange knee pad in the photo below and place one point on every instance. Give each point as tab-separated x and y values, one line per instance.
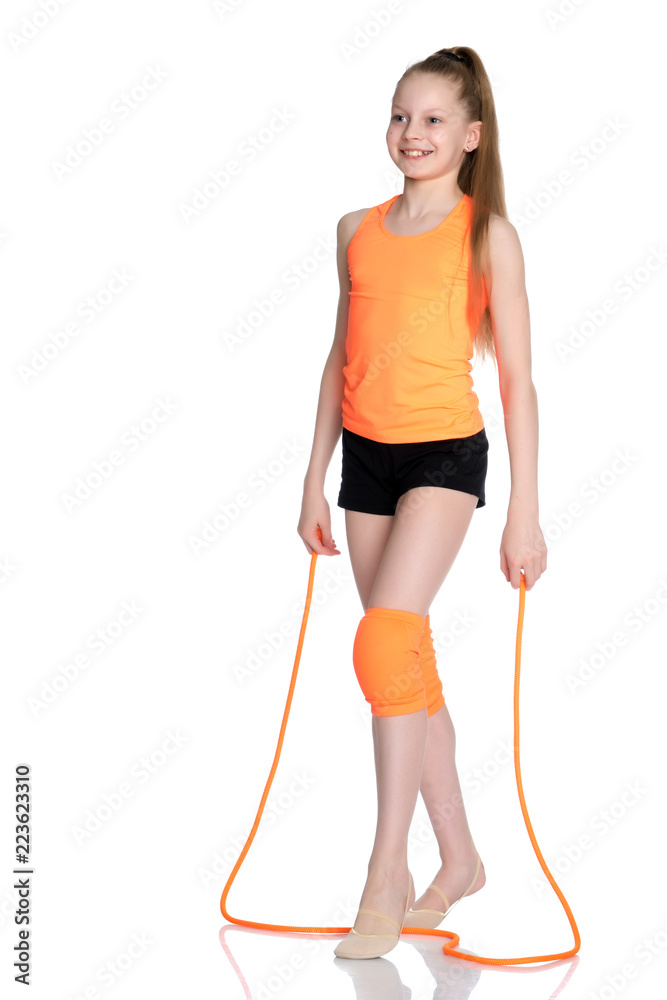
394	661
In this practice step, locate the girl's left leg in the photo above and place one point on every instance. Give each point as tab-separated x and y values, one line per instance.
429	526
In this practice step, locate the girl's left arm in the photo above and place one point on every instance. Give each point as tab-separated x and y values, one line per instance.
522	546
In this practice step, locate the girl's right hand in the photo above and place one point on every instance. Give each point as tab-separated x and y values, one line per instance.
315	515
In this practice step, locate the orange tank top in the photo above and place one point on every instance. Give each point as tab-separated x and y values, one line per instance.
409	344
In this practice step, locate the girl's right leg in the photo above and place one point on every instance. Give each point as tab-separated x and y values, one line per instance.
367	536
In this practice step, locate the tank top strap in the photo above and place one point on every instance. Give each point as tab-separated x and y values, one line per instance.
374	216
385	206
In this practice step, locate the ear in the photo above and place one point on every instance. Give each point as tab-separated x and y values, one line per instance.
474	135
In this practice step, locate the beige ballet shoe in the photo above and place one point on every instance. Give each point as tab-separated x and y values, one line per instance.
357	945
431	918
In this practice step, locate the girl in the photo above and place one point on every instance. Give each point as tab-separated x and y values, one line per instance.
424	277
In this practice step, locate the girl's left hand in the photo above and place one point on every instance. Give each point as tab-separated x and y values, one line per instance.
522	547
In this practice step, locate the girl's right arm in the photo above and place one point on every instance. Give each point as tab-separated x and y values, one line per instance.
328	422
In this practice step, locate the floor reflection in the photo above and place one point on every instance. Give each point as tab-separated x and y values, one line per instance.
379	979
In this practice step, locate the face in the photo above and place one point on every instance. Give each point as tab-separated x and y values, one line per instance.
427	121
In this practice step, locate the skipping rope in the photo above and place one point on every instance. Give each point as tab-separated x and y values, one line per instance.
449	948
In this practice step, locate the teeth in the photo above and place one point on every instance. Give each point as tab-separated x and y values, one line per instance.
410	152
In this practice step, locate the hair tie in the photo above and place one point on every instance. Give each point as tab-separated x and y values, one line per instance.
454	55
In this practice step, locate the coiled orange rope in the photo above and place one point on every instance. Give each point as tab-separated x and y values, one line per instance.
450	947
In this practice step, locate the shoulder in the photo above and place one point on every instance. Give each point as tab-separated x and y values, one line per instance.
347	227
502	234
349	223
505	256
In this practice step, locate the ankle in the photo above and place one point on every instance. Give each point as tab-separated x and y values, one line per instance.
460	855
390	868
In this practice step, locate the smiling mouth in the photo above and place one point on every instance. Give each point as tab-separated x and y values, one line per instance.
415	154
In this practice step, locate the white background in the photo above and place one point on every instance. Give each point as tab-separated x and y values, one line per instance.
167	735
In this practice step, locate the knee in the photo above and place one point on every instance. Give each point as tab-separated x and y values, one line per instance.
386	656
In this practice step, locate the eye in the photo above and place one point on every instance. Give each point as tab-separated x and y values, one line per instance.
432	118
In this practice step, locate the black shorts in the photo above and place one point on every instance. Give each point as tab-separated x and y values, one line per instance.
375	474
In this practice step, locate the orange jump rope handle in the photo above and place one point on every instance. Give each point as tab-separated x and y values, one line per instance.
450	947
